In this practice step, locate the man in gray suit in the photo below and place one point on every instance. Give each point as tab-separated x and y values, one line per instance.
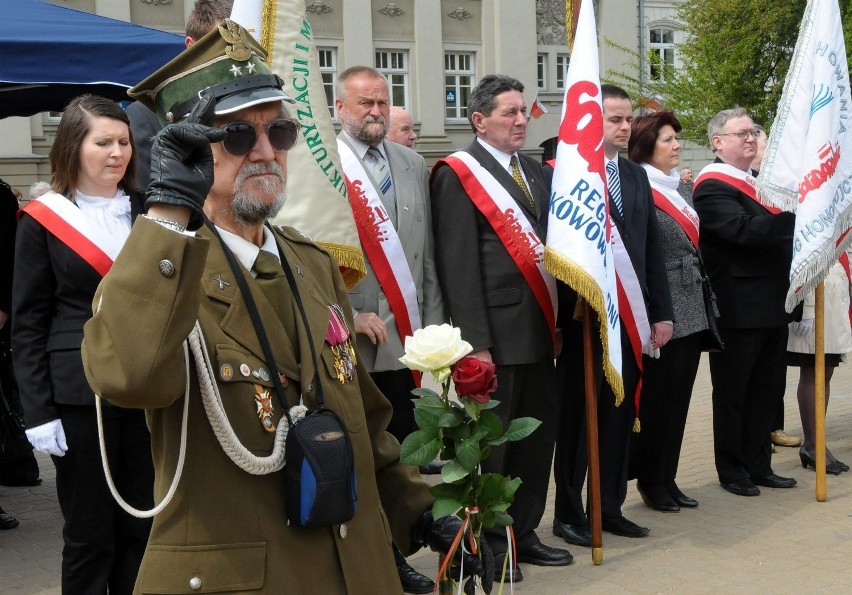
400	292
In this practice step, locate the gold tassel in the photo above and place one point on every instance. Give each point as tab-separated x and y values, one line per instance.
267	27
350	260
637	427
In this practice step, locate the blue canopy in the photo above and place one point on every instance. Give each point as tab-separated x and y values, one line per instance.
52	54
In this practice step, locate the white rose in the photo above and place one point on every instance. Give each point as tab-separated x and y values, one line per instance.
434	349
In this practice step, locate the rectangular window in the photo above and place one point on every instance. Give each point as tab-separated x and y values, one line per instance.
561	71
662	53
458	83
328	71
542	72
394	65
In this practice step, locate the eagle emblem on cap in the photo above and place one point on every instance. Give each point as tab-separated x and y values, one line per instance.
234	35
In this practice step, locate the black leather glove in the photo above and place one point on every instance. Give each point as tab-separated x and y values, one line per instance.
182	162
439	534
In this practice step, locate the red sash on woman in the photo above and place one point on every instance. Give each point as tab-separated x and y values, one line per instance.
511	226
63	219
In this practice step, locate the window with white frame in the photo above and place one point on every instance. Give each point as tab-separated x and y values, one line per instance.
458	83
542	72
328	71
394	65
561	71
662	52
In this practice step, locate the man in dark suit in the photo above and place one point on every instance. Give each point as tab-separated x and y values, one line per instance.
635	217
489	298
747	251
363	104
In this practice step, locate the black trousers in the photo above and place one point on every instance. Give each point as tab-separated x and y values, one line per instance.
749	378
666	391
614	428
103	544
525	390
396	386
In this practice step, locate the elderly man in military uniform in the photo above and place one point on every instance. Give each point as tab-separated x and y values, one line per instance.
203	264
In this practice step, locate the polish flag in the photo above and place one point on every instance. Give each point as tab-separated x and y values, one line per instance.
537	109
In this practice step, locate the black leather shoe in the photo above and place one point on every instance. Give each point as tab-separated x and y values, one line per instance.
544	555
664	504
573	534
498	570
412	581
774	481
624	527
682	499
742	487
7	521
431	469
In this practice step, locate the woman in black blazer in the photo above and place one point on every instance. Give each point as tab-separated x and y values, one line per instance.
667	381
66	241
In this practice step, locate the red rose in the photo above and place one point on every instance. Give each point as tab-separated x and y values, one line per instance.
474	378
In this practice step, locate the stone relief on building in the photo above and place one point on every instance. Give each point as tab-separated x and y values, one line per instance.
392	10
461	13
550	21
318	7
157	1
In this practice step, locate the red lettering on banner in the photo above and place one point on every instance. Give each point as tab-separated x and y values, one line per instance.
588	139
829	158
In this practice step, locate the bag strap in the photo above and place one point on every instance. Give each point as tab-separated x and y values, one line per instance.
259	330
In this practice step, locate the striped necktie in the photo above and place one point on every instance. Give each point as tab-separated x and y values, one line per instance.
380	169
614	186
516	173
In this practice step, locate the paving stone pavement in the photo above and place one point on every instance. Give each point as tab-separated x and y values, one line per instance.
783	541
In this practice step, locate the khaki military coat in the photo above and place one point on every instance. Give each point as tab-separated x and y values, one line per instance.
225	527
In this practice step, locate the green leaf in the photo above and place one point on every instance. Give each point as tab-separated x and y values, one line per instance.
424	392
502	519
521	427
450	419
490	404
419	448
430	402
445	507
456	491
467	453
427	419
492	424
471	407
497	441
453	471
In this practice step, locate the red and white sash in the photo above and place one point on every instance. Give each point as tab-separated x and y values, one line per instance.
381	244
669	201
631	305
63	219
511	226
742	181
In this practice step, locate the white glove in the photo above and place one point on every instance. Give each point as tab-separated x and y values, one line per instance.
48	438
650	351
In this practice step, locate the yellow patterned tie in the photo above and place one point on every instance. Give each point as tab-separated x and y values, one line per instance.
516	173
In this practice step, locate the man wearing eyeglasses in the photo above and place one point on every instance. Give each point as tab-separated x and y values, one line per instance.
400	292
747	250
203	264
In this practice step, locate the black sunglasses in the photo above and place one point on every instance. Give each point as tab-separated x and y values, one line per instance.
242	136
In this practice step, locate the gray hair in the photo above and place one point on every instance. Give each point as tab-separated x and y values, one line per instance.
352	72
38	188
483	97
717	122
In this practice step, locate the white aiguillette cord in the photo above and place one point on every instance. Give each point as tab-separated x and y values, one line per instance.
212	400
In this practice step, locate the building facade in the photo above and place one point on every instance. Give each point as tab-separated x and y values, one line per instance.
433	52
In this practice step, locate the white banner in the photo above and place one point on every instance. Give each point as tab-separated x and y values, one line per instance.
807	168
317	203
578	249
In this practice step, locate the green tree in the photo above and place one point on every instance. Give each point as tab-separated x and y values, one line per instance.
736	52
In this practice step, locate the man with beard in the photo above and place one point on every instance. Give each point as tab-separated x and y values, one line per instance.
394	183
268	324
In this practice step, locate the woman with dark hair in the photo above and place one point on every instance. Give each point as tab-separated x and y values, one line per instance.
66	242
667	382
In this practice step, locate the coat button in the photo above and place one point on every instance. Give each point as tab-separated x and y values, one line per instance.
195	583
344	530
167	269
310	387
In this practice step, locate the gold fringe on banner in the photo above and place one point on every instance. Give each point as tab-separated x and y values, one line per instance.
349	259
267	27
588	289
569	23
